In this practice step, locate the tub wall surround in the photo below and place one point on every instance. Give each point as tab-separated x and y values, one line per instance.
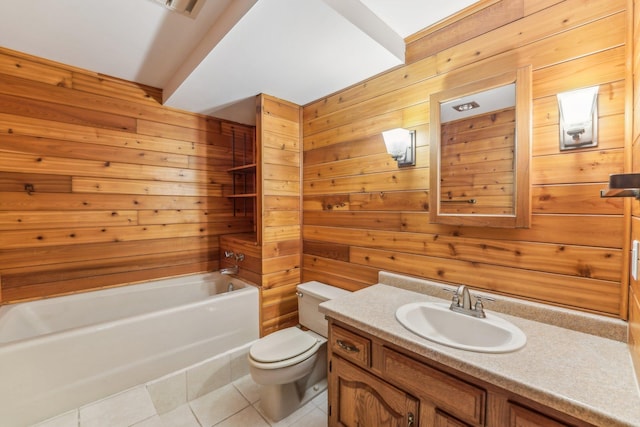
100	185
61	353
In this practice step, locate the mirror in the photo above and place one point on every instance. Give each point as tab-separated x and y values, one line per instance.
480	152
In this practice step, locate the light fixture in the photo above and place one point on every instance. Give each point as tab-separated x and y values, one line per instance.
401	144
189	8
466	106
578	118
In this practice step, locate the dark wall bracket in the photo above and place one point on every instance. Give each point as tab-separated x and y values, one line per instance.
623	185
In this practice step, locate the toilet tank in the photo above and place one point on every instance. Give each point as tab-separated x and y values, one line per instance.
310	295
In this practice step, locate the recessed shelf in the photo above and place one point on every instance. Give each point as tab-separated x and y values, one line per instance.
248	168
239	196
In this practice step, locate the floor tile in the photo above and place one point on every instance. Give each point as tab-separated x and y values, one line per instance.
180	417
322	401
248	417
218	405
68	419
292	420
315	418
124	409
249	389
154	421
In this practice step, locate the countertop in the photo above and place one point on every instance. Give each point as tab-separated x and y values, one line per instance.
588	376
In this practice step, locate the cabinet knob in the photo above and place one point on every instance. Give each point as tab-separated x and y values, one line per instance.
411	419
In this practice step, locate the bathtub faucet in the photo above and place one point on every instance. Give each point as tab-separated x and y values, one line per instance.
230	270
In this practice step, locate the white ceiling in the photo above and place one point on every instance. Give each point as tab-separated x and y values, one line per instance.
298	50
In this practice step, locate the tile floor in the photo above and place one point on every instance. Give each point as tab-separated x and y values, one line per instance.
233	405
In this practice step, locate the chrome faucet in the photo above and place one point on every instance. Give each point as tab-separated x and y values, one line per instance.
230	270
238	257
461	302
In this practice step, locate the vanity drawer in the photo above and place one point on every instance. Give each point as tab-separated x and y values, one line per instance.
449	393
350	346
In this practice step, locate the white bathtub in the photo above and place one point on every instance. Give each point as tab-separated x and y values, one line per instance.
60	353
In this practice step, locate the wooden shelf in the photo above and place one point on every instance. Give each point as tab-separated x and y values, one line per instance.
239	196
248	168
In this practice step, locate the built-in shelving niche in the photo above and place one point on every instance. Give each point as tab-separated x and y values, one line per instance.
243	171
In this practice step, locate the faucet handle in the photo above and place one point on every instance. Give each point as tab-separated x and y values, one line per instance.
455	300
228	254
480	298
478	306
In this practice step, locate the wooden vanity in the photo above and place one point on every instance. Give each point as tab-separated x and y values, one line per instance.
381	374
374	383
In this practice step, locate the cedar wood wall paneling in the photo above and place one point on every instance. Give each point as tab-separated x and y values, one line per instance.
100	185
273	254
362	214
634	293
279	134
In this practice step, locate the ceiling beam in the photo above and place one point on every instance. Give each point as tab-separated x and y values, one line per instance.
236	10
369	23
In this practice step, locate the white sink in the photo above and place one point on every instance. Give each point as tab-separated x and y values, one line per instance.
436	322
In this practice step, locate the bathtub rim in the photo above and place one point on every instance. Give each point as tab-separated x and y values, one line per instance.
70	332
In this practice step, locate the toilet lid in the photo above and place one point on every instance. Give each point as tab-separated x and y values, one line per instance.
281	345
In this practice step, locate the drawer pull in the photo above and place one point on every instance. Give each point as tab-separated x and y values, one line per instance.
348	347
410	419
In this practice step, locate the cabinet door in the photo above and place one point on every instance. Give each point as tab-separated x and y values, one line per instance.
359	399
444	420
445	392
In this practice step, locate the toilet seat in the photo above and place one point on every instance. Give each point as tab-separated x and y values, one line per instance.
283	348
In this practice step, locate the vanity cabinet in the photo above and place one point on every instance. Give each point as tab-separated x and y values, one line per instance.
520	416
374	383
365	400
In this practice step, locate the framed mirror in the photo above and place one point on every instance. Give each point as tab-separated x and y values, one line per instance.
480	152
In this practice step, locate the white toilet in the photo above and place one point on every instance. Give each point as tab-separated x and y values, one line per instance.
291	364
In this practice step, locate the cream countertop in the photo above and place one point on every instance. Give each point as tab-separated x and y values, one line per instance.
584	375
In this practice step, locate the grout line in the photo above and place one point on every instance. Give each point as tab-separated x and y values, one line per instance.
195	417
235	413
266	420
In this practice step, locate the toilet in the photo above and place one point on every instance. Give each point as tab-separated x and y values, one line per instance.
291	364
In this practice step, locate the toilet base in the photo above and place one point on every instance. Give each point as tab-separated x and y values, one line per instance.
280	400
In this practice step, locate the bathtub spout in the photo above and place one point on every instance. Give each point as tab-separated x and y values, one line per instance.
230	270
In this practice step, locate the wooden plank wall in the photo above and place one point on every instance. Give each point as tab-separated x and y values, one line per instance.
100	185
279	134
362	214
273	254
634	129
478	164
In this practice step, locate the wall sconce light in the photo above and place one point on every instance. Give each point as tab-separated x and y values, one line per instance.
401	144
578	118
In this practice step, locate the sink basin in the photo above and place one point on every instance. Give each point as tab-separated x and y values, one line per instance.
436	322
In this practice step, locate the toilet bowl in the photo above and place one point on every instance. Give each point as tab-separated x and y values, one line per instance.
291	364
